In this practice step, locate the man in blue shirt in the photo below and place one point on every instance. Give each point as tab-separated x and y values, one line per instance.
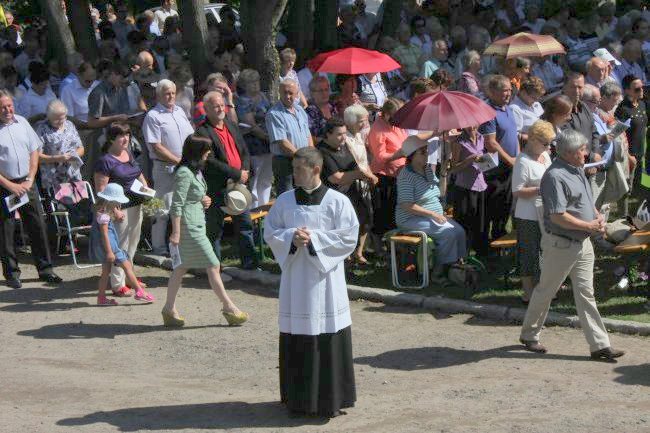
500	136
288	128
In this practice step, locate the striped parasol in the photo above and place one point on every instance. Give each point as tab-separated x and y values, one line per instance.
525	45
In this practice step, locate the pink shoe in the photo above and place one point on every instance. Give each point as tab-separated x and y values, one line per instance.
104	301
141	295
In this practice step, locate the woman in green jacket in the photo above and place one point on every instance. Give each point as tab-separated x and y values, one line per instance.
187	213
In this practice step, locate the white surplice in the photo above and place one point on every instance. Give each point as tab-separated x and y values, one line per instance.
313	291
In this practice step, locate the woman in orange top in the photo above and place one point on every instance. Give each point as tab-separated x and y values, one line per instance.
385	143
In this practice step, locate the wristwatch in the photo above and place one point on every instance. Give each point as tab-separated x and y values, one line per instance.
29	179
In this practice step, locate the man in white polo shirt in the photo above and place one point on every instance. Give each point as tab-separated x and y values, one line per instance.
19	151
165	129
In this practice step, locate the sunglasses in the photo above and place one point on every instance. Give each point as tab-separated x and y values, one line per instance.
637	89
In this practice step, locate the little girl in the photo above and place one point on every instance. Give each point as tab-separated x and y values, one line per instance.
104	244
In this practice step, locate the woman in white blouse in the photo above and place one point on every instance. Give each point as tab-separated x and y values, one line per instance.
527	173
526	107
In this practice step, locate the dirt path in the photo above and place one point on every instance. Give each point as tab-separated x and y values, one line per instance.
70	366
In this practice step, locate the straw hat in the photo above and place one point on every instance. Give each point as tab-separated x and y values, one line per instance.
411	144
238	199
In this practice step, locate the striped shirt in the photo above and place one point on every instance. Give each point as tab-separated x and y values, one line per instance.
412	187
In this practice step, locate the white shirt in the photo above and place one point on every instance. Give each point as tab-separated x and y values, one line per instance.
161	15
313	291
170	128
528	173
17	141
525	115
75	98
32	103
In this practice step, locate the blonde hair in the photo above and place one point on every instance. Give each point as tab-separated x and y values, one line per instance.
288	54
542	131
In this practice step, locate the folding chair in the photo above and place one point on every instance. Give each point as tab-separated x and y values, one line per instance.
64	226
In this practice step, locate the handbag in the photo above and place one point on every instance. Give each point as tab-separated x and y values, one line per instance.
71	193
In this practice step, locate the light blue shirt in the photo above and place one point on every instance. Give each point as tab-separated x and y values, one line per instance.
281	124
607	148
17	141
168	127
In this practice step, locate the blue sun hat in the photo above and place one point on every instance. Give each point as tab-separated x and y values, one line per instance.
113	192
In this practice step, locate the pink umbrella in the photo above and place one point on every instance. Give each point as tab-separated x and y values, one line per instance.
443	111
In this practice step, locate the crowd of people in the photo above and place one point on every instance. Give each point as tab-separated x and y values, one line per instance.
222	147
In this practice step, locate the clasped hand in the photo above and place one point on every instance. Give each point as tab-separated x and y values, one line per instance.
301	237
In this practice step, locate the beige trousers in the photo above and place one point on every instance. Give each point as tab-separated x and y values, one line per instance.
128	233
561	258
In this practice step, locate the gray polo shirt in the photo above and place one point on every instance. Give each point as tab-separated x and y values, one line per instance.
281	124
17	141
106	100
565	188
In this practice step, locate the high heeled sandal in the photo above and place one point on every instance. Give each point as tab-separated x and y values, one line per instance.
170	321
235	319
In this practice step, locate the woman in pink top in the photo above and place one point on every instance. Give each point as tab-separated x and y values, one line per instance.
385	143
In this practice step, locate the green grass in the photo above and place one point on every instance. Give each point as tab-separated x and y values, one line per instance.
613	303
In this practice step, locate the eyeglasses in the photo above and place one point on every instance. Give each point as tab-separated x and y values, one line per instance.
592	101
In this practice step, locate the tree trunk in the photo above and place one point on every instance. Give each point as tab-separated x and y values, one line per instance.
392	17
300	28
259	21
82	28
326	16
59	33
195	37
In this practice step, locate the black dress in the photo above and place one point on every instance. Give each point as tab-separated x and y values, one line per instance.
342	160
317	371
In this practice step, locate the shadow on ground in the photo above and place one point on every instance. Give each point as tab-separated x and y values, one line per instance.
422	358
633	374
224	415
95	330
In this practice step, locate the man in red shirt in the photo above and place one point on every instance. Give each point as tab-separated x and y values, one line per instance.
229	160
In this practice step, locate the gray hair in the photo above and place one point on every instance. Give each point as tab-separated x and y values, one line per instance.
310	156
4	93
569	141
320	79
208	96
54	107
288	82
589	92
610	89
497	82
215	76
163	86
470	57
352	114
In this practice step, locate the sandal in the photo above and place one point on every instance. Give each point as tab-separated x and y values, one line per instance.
141	295
123	292
103	300
360	260
142	285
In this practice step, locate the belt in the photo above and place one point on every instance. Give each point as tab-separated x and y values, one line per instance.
564	237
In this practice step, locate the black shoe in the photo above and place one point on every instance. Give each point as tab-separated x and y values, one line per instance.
533	346
14	283
50	277
607	354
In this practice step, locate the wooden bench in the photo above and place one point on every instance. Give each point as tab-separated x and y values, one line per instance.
257	217
637	242
503	244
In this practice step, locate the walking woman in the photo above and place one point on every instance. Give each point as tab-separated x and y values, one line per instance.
189	201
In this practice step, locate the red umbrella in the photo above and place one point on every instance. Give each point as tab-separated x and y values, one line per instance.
443	111
352	61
